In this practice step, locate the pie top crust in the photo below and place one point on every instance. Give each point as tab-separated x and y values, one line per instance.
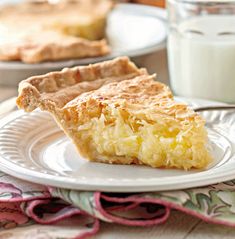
106	83
69	29
141	96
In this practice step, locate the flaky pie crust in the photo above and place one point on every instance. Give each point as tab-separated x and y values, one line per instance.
54	90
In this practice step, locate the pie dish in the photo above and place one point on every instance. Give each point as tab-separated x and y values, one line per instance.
116	113
50	32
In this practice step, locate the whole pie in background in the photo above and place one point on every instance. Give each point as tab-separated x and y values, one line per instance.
39	31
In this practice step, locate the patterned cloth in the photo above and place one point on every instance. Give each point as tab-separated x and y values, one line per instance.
61	213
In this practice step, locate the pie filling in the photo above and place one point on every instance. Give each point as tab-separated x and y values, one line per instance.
93	30
113	135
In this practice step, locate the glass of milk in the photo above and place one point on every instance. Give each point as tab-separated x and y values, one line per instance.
201	49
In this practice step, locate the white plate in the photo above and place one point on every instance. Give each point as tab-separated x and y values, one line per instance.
33	148
132	30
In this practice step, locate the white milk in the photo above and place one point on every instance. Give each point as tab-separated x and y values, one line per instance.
201	55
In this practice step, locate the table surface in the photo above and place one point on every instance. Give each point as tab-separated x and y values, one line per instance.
179	225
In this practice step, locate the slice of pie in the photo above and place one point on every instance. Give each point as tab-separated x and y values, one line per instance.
38	31
117	113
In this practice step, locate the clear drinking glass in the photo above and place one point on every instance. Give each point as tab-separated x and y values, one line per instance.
201	48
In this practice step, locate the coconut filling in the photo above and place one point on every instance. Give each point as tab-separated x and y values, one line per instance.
114	137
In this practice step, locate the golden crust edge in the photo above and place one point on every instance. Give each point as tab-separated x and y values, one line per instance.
31	90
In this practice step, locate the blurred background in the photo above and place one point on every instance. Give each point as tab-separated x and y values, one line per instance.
136	28
138	32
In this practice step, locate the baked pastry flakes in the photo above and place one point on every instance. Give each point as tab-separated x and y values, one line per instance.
116	113
38	31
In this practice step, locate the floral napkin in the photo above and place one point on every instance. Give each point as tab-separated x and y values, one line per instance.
37	211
